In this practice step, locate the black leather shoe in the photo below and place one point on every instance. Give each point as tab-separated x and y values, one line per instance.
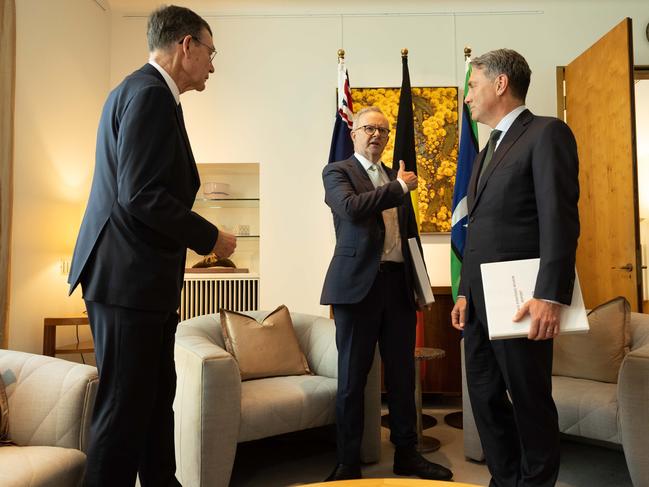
407	461
345	472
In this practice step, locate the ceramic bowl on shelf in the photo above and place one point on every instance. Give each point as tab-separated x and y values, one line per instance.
213	190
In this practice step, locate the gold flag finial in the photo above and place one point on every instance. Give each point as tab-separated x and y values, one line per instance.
341	54
404	52
467	52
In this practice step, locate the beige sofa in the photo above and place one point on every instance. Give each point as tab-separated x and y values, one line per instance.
214	410
612	414
50	404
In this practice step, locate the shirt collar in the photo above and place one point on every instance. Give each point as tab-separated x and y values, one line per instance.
508	120
168	79
366	163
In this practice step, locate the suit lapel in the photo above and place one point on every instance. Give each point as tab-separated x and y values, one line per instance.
181	123
513	134
152	71
477	164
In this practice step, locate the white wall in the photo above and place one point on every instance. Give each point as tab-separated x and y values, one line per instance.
62	75
271	100
642	141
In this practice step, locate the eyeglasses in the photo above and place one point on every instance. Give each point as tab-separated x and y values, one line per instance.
371	130
212	51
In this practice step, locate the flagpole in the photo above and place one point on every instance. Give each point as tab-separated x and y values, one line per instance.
341	55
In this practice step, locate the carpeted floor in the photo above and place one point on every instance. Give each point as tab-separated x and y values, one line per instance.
309	456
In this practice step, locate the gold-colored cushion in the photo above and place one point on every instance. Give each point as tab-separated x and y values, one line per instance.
266	349
598	354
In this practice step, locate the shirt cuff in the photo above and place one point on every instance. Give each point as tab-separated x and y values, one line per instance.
404	186
554	302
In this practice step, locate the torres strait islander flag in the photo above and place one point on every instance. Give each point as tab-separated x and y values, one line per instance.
468	152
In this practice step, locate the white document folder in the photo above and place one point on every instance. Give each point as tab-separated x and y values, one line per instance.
507	285
423	288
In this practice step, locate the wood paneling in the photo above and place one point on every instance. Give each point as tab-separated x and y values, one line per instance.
443	375
600	108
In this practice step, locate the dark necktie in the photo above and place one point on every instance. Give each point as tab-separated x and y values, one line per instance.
491	147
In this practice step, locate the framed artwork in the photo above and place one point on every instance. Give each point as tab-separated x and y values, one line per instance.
436	144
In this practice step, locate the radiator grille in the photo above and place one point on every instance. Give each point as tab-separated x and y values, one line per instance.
202	296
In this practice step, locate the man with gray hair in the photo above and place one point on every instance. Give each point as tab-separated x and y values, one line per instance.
522	204
370	286
131	249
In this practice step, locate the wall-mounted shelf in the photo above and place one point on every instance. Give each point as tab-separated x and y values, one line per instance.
236	213
226	203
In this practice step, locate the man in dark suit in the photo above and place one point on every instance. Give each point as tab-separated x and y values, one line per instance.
522	204
370	285
130	252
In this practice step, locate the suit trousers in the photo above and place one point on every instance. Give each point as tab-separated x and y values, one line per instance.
387	316
520	437
132	429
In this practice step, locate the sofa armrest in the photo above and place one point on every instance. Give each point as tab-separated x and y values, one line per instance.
317	336
472	444
50	400
207	409
633	397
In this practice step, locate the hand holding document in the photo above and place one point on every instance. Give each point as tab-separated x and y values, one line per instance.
423	288
508	285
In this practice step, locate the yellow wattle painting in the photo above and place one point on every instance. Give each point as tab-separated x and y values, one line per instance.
436	144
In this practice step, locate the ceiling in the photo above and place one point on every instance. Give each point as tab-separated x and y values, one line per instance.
212	6
205	7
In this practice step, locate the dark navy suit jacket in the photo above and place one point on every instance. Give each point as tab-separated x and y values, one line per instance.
525	207
138	224
356	206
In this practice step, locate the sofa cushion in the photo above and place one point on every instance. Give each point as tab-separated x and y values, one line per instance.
598	354
266	349
279	405
586	408
4	414
41	466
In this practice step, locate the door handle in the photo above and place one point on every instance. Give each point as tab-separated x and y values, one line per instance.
628	268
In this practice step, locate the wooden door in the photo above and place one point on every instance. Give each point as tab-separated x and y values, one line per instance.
600	110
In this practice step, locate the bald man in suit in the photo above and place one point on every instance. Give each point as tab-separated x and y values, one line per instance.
370	286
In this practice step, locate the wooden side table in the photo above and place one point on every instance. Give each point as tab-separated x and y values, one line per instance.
49	336
424	443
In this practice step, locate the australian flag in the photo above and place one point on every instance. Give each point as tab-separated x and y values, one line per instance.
341	141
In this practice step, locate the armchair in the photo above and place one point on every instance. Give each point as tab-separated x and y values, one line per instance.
612	414
50	405
215	410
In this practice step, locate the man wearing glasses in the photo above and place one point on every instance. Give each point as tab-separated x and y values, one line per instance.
370	285
130	252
